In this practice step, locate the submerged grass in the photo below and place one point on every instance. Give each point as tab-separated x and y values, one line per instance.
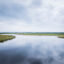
6	37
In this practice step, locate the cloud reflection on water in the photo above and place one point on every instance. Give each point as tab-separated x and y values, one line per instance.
33	50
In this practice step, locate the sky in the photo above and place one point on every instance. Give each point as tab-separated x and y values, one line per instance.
31	15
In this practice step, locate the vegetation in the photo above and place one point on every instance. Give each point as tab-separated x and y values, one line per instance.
59	34
6	37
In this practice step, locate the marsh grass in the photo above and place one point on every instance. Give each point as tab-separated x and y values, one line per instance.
60	35
6	37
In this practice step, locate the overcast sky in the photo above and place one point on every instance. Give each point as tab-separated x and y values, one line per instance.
31	15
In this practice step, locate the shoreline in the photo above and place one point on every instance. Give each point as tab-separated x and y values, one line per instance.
6	37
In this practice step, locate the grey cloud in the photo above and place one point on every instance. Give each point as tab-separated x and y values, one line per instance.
12	11
46	14
36	3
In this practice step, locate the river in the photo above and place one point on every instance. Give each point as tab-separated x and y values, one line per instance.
26	49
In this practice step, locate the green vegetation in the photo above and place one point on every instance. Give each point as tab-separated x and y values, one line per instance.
60	35
6	37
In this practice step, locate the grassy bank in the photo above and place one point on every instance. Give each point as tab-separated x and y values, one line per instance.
6	37
60	35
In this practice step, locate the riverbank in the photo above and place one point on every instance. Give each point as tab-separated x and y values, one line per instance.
60	35
6	37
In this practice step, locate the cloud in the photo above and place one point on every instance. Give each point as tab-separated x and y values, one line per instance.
32	15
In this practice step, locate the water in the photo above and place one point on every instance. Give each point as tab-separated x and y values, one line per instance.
32	50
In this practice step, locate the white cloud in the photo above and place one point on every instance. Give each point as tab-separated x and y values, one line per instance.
45	16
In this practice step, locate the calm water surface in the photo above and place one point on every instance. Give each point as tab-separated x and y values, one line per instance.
32	50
